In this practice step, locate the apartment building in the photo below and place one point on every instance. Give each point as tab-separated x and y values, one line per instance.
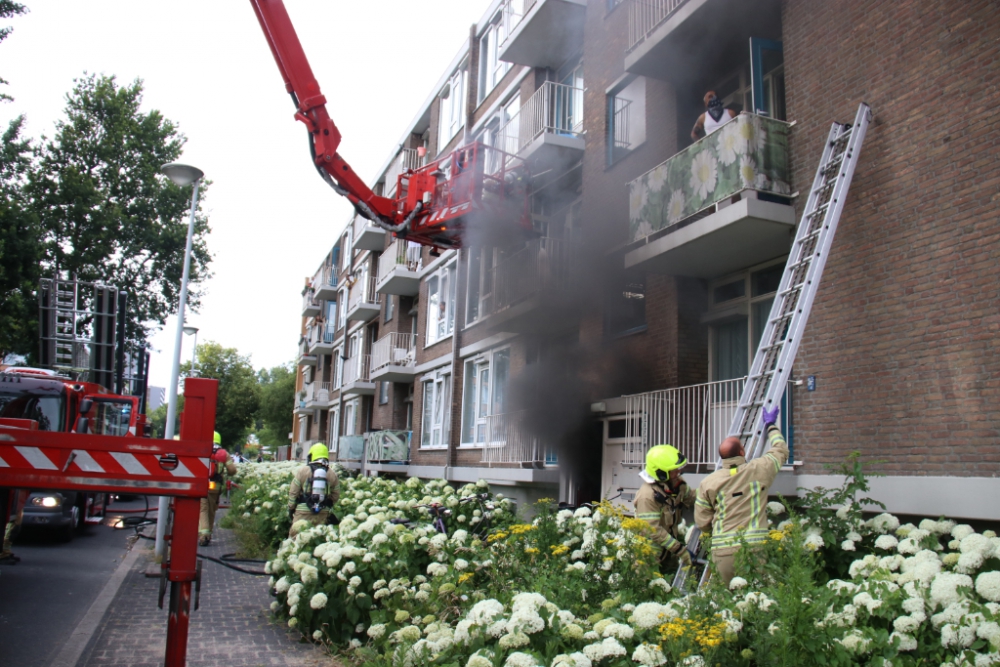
548	363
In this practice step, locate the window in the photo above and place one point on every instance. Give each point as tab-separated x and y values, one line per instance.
383	393
569	102
479	295
331	321
744	301
389	306
334	428
351	410
436	421
491	68
453	107
626	305
736	91
441	304
486	378
342	299
338	367
501	133
626	118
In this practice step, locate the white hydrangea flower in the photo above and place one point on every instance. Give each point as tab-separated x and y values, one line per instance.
906	642
282	585
961	531
847	545
908	546
813	542
775	508
514	640
376	631
988	586
317	635
737	583
693	661
661	583
886	542
609	648
649	655
867	601
855	642
575	659
944	588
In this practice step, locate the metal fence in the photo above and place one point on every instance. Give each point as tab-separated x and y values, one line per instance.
363	291
388	446
644	16
399	255
555	108
356	369
508	440
394	349
620	123
408	158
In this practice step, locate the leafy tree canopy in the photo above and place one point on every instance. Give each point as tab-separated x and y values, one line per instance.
277	401
239	393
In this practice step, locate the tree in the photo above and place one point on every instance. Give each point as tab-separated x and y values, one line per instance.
276	403
239	393
105	211
9	9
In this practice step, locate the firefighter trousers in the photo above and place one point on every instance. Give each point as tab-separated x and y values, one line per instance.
206	521
314	519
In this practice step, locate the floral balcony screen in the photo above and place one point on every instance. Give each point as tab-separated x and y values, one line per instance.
748	153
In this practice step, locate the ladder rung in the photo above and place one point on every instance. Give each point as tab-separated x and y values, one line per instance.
819	209
811	235
786	316
793	288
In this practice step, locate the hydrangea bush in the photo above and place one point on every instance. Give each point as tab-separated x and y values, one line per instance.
830	585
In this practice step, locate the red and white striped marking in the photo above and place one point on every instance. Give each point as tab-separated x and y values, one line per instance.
101	462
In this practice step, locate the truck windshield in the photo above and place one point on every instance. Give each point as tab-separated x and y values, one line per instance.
112	417
48	410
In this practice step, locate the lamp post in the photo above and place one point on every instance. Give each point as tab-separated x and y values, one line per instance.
182	175
193	331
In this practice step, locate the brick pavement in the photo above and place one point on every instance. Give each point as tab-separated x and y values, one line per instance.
230	629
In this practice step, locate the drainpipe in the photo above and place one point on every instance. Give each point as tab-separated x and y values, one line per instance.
455	437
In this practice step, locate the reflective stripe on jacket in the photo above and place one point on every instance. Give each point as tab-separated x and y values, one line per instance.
664	517
300	486
732	501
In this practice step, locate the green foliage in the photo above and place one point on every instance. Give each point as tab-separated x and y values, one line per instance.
105	211
9	9
239	393
277	399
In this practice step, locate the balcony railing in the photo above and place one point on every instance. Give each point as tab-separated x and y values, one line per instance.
545	264
394	349
350	447
508	440
693	419
318	392
644	16
356	369
554	108
363	291
391	447
749	152
330	276
309	302
514	12
399	255
408	158
620	123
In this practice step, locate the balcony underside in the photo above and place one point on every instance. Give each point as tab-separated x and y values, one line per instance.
548	35
542	313
702	39
326	292
370	238
400	281
748	232
322	347
363	312
307	360
358	389
391	373
553	151
310	310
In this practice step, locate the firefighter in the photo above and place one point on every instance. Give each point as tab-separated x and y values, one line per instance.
313	491
662	498
14	501
732	501
219	465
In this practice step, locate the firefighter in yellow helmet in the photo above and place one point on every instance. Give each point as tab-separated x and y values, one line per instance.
315	488
662	498
218	465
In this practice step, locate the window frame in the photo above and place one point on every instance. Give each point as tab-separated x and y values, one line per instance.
451	112
473	389
612	96
433	333
492	70
437	405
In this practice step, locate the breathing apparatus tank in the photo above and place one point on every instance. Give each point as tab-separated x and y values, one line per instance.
319	488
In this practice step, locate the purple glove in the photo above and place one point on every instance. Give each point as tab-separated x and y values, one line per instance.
769	417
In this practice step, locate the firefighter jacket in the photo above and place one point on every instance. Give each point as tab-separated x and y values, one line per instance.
661	509
301	488
732	501
216	471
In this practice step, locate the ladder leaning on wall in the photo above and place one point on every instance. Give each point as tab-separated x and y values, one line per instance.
779	343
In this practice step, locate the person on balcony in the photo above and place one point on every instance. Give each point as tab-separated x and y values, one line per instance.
661	499
731	505
715	116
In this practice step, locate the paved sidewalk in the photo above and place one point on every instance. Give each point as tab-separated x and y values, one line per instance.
230	629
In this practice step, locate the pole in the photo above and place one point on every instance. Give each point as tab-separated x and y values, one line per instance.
163	506
120	343
194	357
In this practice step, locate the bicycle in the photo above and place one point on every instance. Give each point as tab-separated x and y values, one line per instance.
440	512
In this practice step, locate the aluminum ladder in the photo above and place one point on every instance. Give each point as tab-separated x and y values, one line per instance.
779	343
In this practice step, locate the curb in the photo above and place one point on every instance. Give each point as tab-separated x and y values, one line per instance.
74	647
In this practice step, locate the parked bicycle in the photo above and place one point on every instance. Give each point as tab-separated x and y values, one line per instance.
440	512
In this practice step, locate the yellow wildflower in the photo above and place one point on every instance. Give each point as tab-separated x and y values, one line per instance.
462	578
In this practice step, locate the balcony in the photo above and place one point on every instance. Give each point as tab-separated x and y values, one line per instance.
399	269
542	33
508	441
364	302
350	447
357	381
304	357
320	338
326	286
407	159
388	447
694	419
367	236
317	395
310	306
531	289
667	38
394	358
547	131
718	206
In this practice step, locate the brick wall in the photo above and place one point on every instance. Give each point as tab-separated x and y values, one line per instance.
902	338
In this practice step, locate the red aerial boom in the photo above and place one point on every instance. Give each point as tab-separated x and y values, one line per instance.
435	204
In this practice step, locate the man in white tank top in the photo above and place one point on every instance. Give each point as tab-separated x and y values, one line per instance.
715	116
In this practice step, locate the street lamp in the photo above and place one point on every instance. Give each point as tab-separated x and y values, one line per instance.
193	331
182	175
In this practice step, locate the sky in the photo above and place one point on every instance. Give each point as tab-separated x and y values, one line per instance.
206	66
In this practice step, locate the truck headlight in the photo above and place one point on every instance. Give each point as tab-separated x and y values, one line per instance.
46	501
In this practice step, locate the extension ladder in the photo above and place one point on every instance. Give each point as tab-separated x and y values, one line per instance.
779	343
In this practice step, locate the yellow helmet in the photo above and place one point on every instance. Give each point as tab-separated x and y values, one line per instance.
318	451
217	439
661	459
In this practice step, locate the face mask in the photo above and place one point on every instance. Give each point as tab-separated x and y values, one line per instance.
715	109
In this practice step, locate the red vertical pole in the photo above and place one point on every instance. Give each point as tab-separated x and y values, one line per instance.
198	423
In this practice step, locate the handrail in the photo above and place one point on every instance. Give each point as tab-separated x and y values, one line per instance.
395	349
554	108
645	16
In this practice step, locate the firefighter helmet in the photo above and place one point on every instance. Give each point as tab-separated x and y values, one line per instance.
217	439
318	451
661	459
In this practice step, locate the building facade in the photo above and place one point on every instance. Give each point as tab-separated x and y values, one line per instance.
549	362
